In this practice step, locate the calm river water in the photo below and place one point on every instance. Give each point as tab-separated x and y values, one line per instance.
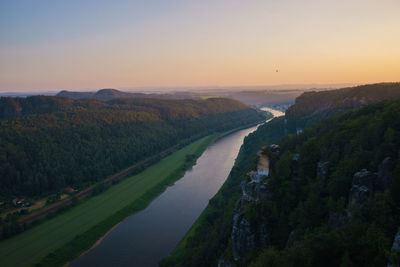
148	236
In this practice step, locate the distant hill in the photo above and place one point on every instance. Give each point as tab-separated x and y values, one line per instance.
108	94
11	107
345	98
331	197
314	106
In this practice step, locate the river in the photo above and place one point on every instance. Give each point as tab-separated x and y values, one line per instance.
148	236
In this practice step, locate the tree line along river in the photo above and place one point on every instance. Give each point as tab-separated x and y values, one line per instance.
148	236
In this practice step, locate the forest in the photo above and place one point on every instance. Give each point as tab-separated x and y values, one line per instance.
48	143
338	205
311	107
331	198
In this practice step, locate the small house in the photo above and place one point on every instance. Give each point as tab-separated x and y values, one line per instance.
70	190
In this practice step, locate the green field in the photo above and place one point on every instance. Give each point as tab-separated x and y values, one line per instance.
90	220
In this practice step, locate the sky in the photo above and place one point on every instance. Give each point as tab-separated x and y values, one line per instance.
89	44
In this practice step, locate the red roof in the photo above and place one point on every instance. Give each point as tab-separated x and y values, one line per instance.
69	189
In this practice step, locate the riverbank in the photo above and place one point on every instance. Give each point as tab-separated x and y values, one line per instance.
98	242
271	114
78	229
137	205
84	242
268	117
150	235
215	221
155	192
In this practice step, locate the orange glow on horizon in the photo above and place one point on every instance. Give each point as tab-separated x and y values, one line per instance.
228	43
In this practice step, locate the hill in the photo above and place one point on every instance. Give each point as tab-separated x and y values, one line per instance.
331	196
313	106
108	94
48	143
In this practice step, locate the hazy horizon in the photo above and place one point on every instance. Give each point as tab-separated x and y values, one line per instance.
160	89
65	45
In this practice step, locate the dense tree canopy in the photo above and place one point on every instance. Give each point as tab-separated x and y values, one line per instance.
47	143
333	196
311	107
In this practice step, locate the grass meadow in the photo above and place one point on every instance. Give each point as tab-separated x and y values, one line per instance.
66	236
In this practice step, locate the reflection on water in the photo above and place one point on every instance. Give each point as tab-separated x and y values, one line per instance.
274	112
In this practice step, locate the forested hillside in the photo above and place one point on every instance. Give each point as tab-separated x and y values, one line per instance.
210	239
311	107
47	143
331	197
108	94
333	194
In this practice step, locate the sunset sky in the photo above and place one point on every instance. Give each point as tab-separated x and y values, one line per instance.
83	44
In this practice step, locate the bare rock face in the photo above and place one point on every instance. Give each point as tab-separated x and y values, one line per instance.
275	149
249	234
254	191
246	235
361	188
364	178
383	175
243	236
290	240
366	183
396	243
395	248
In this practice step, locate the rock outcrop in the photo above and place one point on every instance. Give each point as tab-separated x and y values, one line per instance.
395	248
366	183
290	239
243	235
247	235
275	149
383	175
254	190
361	188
